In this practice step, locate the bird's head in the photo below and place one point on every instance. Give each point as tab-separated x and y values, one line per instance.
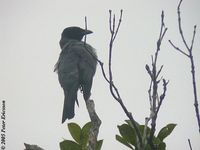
75	33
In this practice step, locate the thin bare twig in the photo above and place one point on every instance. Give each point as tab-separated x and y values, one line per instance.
85	37
190	56
162	96
190	145
114	91
179	24
194	33
113	34
119	23
159	71
95	121
178	49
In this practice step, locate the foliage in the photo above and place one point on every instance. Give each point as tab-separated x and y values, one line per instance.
80	136
128	136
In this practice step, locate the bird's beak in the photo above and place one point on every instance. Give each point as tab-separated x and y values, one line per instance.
88	32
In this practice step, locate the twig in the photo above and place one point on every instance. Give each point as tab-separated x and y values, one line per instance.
178	49
113	34
96	122
179	24
190	145
195	89
159	71
113	89
119	23
85	37
162	96
190	56
194	33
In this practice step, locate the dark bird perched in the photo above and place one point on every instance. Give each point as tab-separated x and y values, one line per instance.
76	67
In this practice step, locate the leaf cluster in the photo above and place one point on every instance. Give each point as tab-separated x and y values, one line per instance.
129	138
80	136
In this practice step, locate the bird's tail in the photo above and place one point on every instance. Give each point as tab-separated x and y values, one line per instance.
69	102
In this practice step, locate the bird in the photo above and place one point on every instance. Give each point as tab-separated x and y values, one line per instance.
76	67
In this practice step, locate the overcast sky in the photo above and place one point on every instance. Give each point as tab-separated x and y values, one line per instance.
29	35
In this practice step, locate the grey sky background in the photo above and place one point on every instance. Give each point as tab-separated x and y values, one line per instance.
30	32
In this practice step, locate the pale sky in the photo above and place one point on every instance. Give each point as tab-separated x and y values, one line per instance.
30	32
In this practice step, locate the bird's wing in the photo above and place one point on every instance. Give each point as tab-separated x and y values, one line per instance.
86	66
68	69
86	53
65	46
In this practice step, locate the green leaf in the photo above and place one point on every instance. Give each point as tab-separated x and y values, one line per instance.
85	134
75	131
162	146
156	141
128	133
123	141
165	131
69	145
99	144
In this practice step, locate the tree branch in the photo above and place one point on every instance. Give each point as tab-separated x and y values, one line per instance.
190	56
190	145
178	49
155	100
85	37
96	122
179	24
113	89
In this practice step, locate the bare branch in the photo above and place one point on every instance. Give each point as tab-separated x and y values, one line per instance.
161	35
155	100
190	56
119	23
159	71
195	89
190	145
114	33
179	24
96	122
85	37
162	96
110	21
148	70
114	91
178	49
194	33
